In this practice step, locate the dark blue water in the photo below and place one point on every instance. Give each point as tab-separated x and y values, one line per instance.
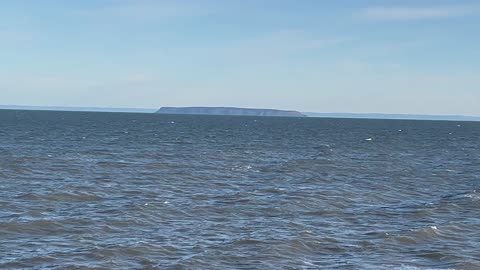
146	191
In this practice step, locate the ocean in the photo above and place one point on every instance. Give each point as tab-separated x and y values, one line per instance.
83	190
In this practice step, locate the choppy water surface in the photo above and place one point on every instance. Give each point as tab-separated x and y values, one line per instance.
140	191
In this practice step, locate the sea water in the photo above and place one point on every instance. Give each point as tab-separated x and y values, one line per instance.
146	191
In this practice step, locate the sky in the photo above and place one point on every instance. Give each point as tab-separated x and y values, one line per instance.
352	56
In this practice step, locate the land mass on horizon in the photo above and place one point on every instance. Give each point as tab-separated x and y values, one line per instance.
308	114
229	111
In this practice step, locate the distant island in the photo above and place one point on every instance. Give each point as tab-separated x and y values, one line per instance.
229	111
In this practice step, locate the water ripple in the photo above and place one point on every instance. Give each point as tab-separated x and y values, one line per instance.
134	191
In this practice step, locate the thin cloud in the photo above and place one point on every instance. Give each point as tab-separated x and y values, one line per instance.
284	42
265	49
416	13
16	36
150	10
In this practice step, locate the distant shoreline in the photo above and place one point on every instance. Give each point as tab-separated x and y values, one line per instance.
385	116
232	111
395	116
75	109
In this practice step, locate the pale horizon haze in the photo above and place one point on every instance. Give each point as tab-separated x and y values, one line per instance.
372	56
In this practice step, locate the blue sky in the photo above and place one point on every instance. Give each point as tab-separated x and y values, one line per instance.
389	56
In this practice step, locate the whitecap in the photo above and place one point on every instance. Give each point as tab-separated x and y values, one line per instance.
243	168
408	267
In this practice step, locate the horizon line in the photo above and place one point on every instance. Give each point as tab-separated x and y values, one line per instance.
308	113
